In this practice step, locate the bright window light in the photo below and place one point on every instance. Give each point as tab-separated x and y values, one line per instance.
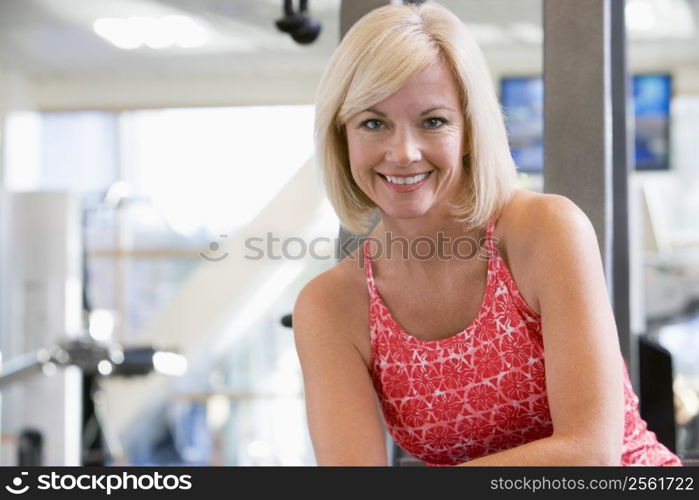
216	168
22	150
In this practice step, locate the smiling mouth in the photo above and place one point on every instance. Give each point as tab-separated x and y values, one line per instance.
384	177
406	188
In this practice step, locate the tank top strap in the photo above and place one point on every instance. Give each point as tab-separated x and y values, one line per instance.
490	228
368	272
489	247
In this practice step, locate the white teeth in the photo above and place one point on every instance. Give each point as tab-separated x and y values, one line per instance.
407	180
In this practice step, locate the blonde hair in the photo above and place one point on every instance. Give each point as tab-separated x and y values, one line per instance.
380	53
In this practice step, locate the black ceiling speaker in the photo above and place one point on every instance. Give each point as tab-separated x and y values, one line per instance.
303	29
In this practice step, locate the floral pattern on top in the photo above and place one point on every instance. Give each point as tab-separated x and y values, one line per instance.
482	390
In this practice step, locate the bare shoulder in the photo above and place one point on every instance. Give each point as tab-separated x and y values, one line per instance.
332	290
529	226
318	297
331	308
532	218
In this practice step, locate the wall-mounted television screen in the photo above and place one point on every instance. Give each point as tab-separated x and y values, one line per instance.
522	99
651	98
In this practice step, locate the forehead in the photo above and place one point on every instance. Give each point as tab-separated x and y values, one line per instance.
434	82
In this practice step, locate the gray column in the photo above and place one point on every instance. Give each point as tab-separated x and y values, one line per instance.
352	10
585	135
621	163
577	110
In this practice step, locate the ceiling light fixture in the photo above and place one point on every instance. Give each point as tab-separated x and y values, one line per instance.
156	33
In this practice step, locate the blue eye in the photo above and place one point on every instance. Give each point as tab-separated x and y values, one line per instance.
371	124
435	122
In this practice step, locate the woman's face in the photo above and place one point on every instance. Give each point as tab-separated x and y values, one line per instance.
417	130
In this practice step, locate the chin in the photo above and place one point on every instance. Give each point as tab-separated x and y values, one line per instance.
404	214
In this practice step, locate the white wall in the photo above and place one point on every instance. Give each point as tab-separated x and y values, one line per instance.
42	306
16	94
138	94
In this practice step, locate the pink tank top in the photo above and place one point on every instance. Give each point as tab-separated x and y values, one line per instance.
482	390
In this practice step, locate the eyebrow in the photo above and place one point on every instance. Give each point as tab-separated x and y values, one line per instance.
427	111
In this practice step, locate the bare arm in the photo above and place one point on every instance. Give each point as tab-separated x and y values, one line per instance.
584	378
341	407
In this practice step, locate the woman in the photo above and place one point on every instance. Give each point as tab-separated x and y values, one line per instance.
407	121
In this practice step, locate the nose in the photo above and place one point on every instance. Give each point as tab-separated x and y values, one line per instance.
404	149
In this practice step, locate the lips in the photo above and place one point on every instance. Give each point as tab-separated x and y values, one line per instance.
404	188
404	175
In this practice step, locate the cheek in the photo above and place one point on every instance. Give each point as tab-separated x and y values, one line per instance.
449	149
352	151
353	148
362	153
356	155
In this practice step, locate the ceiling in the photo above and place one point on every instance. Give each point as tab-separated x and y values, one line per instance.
54	38
49	40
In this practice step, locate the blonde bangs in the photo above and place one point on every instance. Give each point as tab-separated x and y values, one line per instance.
387	70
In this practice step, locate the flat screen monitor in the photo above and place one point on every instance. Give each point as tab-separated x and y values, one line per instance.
651	97
523	102
522	99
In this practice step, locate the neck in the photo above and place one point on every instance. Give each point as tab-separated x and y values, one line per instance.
426	247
